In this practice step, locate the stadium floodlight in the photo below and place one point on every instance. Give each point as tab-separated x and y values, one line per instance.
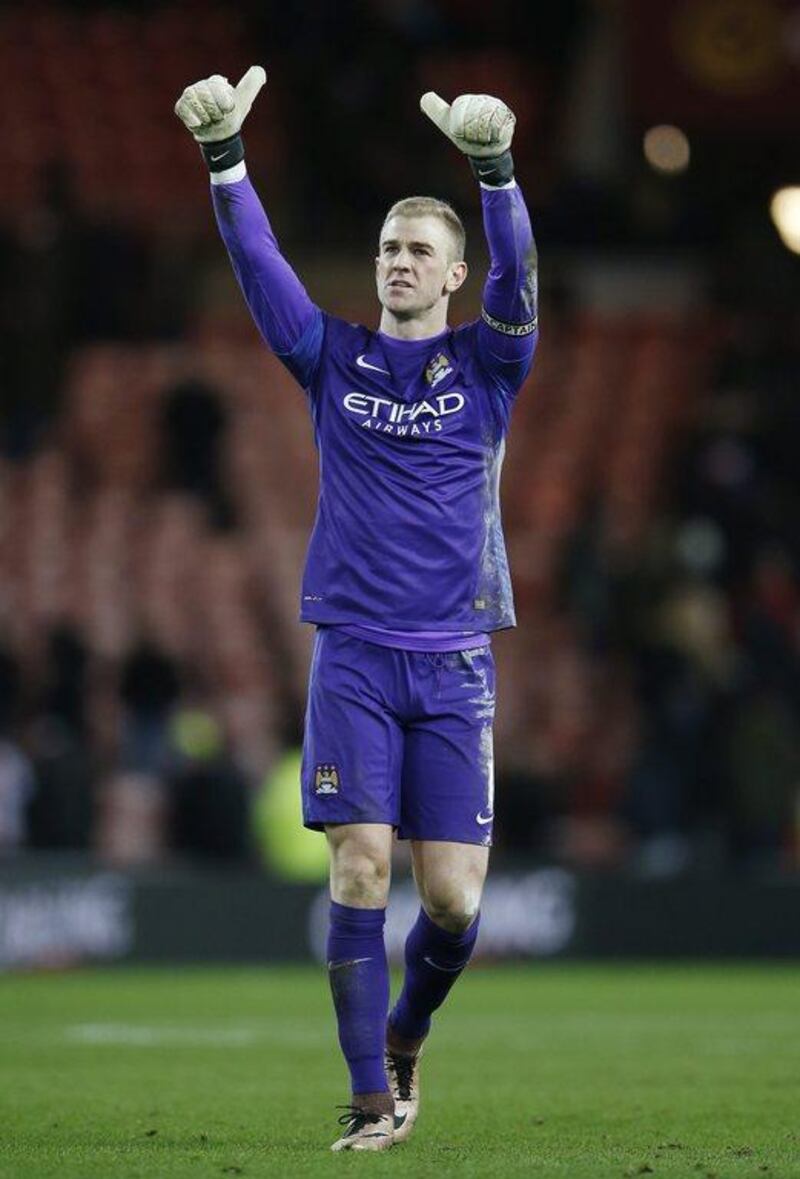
666	149
785	212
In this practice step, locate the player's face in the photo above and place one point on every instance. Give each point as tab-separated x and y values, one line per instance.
415	268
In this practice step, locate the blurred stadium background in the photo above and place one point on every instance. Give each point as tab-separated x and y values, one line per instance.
157	473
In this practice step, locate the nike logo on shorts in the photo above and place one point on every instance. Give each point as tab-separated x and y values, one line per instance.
362	363
484	819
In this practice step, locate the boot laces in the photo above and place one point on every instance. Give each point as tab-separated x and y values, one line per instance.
357	1117
403	1067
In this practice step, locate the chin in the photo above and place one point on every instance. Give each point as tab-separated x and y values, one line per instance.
401	307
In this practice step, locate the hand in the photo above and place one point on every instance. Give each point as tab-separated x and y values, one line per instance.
479	125
213	109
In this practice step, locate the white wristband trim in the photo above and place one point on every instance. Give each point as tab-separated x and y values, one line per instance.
229	175
494	187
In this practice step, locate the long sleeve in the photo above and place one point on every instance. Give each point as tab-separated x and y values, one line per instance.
508	331
291	324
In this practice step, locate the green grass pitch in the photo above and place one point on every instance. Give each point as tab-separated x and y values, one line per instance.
569	1070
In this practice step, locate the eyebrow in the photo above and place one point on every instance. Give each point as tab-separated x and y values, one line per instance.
393	241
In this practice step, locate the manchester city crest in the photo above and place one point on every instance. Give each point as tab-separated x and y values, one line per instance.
326	780
438	368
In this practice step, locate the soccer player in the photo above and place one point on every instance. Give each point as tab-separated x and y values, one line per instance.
406	574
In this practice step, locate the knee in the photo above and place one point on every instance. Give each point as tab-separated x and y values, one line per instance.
454	908
360	877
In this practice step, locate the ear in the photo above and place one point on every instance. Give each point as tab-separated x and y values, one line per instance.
456	276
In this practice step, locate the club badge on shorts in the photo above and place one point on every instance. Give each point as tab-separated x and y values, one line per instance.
326	780
437	369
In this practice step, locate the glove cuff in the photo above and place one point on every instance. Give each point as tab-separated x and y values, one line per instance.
493	172
224	153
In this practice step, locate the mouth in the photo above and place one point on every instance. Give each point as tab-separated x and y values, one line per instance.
399	284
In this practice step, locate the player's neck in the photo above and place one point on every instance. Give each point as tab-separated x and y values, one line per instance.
417	328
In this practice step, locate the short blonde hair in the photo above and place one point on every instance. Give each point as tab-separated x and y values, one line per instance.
426	206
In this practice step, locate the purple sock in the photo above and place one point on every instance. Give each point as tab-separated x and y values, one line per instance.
359	977
434	960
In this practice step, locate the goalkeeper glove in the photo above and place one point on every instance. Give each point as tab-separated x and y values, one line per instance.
214	111
480	126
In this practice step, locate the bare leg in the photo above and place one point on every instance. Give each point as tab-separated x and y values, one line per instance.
450	879
360	864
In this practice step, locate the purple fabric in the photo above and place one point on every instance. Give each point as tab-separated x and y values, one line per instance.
408	533
277	299
434	960
417	640
411	434
510	293
399	737
359	978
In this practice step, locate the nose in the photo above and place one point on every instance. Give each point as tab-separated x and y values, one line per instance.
401	260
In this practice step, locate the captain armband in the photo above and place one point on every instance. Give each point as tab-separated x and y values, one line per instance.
510	329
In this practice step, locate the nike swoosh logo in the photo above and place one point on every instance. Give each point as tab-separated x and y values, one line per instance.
362	363
216	159
448	969
484	819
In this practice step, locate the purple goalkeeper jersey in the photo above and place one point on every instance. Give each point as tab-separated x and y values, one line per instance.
410	433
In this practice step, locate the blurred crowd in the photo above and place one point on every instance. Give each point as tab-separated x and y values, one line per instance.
652	694
677	744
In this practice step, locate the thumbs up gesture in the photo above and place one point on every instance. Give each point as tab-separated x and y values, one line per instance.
213	109
479	125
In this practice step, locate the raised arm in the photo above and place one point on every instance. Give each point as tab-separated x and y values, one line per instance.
482	127
291	324
509	328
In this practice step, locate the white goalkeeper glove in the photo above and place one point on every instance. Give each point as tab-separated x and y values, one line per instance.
214	111
480	126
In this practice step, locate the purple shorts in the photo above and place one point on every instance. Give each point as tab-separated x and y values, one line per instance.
399	737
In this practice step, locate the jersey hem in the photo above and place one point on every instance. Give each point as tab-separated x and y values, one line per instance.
447	643
337	618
